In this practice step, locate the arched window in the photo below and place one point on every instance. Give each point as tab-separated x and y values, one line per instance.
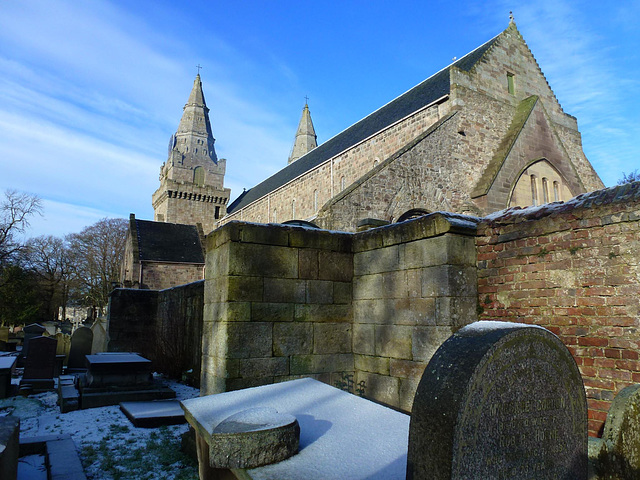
198	176
534	191
556	192
545	190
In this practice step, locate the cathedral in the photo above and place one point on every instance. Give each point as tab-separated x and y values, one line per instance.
483	134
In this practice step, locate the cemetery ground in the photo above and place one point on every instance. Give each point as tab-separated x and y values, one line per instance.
108	444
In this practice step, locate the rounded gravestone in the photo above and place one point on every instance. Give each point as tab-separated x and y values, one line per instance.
252	438
499	401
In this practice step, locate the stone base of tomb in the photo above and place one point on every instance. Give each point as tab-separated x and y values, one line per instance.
37	385
91	397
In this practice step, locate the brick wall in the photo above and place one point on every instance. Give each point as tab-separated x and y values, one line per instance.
573	269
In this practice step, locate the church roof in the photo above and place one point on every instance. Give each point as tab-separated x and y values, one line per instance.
416	98
168	242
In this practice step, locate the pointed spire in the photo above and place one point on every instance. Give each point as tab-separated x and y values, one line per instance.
194	127
306	139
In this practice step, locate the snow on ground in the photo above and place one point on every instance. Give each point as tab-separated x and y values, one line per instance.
110	447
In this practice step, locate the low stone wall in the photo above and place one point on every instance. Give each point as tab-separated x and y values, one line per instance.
164	326
277	306
414	285
363	312
574	269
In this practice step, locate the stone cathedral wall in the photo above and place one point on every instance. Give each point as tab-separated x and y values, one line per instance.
302	197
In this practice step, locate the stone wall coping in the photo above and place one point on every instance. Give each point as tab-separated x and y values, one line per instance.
620	194
276	234
431	225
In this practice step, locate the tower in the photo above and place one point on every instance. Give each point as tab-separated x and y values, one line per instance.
306	139
192	179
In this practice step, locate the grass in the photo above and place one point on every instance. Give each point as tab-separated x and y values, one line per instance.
145	459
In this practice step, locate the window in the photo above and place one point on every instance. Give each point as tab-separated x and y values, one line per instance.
511	86
315	200
217	214
545	190
293	208
198	176
342	183
534	191
556	192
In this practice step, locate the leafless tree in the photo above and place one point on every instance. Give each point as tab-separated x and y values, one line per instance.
15	212
629	177
47	258
95	256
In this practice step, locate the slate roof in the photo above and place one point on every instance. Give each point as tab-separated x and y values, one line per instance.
168	242
419	96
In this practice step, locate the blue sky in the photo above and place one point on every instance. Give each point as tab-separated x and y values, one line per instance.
90	92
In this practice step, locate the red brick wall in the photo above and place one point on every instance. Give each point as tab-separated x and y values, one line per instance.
573	269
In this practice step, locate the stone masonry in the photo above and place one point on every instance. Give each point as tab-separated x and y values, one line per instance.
465	152
360	311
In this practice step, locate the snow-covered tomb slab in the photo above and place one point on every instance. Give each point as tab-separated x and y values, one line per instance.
341	435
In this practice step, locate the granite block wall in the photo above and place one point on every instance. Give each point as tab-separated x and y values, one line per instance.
363	312
164	326
277	306
414	285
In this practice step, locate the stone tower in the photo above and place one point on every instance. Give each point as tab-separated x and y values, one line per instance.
192	179
306	139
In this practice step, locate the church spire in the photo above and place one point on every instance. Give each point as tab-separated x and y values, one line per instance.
306	139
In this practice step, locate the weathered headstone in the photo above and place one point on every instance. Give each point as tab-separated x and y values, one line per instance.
7	367
31	331
4	334
64	343
100	337
9	441
81	342
499	401
616	456
39	365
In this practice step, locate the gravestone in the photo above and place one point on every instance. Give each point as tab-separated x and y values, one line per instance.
39	366
100	337
499	401
616	456
64	344
31	331
7	367
4	334
81	342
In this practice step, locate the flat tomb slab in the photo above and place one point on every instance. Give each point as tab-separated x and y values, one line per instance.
7	363
153	414
341	435
116	362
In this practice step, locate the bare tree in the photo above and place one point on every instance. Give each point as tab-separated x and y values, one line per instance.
47	258
629	177
96	255
15	211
